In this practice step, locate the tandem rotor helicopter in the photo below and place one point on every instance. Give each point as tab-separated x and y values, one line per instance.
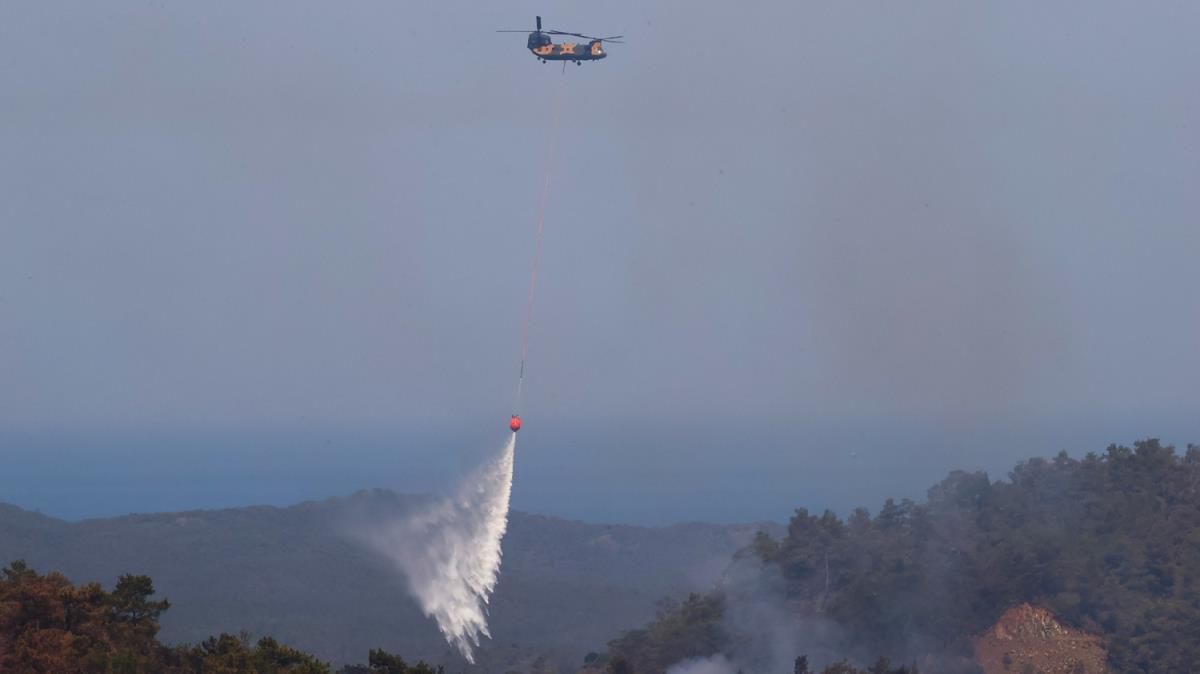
543	47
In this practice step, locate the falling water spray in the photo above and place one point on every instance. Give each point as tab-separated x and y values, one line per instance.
450	551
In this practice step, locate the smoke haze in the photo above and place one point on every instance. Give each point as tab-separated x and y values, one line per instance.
717	664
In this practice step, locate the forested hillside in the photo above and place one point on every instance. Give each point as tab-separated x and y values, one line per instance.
1109	544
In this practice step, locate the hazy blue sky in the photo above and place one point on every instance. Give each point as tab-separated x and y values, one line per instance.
797	253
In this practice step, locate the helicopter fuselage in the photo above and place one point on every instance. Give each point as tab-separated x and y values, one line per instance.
545	49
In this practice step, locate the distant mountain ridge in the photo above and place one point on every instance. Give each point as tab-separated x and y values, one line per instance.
566	587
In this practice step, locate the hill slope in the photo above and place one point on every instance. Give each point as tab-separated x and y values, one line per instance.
294	573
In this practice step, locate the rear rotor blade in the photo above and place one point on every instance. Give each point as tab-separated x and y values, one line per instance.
586	37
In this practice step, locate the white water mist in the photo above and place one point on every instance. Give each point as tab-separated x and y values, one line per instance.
450	552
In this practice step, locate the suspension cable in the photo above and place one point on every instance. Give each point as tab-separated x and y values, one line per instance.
551	147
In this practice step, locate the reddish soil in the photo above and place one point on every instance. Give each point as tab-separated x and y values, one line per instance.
1028	640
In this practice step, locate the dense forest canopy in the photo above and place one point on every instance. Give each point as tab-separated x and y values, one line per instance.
1109	544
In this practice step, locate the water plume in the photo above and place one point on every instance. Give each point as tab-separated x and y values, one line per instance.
449	552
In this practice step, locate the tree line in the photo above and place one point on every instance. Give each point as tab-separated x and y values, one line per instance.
1109	544
49	625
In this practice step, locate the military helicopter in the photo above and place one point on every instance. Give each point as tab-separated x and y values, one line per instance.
545	49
